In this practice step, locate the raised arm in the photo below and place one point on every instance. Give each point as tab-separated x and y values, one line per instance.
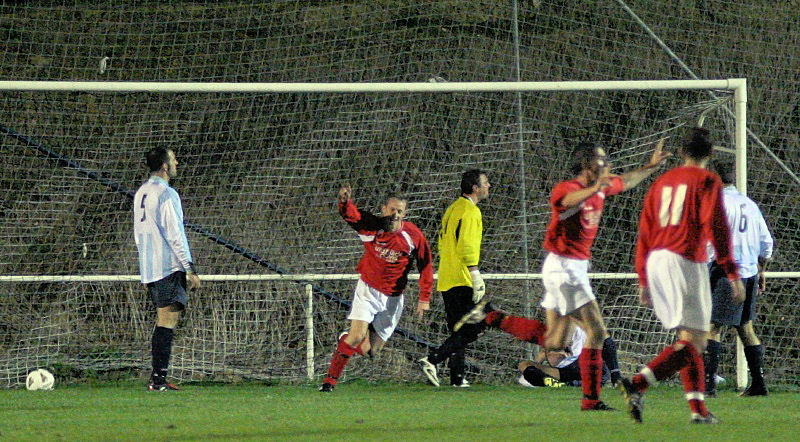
576	197
358	219
634	177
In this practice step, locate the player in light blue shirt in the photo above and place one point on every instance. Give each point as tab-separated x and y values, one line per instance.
158	228
165	261
752	248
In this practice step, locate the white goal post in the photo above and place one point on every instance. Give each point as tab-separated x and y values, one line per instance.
737	85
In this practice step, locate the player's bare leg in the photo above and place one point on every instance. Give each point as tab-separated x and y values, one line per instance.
372	345
590	319
547	369
555	337
359	330
748	334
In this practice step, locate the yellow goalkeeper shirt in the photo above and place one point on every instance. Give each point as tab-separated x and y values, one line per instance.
459	243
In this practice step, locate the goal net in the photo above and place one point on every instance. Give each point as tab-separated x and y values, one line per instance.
260	169
258	175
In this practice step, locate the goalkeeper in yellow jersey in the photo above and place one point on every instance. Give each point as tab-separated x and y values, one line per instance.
460	281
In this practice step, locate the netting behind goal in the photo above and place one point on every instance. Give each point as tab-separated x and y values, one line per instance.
259	172
259	176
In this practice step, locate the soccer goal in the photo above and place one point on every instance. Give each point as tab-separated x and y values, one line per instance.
260	166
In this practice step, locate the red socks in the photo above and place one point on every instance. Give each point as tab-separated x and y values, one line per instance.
341	356
694	381
692	371
524	329
663	366
590	362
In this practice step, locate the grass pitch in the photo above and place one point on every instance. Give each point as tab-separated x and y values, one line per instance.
361	411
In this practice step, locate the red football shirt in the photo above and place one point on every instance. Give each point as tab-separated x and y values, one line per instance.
388	256
572	231
683	210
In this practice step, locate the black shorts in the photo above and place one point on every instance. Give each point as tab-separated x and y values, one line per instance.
168	291
457	303
571	374
723	310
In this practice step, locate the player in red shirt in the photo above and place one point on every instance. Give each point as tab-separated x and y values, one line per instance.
683	211
391	245
577	206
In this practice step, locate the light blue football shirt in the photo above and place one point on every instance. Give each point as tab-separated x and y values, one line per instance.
158	231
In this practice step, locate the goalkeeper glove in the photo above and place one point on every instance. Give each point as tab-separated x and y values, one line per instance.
478	287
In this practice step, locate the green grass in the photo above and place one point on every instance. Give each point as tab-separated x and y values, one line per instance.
361	411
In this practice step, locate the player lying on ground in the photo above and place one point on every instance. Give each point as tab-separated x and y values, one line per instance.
558	368
561	364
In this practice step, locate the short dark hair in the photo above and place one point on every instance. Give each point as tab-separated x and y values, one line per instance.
726	169
471	178
696	144
582	156
396	196
156	157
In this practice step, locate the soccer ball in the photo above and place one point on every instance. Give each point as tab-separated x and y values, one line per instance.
40	379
